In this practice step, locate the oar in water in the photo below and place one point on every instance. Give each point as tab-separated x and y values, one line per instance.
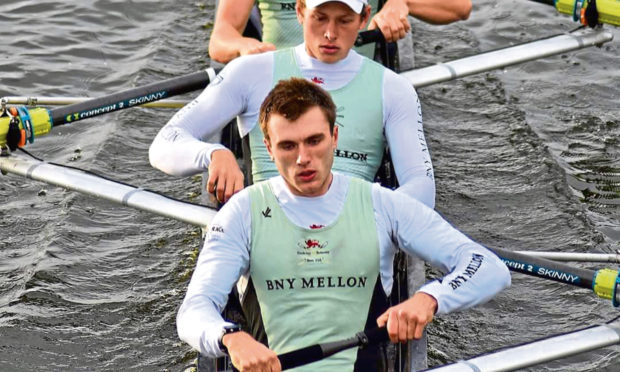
588	12
21	125
604	282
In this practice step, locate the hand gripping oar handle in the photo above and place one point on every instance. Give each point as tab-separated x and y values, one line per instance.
370	36
605	282
317	352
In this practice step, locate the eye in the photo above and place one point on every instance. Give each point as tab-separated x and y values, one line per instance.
286	146
315	140
319	17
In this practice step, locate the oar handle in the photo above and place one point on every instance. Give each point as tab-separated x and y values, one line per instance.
370	36
317	352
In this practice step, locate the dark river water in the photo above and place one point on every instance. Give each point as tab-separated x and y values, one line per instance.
526	158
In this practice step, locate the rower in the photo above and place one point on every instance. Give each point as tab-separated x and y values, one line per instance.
280	28
376	107
316	249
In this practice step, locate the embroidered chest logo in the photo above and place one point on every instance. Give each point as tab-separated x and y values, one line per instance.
313	251
311	243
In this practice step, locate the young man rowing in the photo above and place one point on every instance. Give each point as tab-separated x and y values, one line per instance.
375	107
316	249
281	29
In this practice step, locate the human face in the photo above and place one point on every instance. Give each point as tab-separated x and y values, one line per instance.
303	151
330	30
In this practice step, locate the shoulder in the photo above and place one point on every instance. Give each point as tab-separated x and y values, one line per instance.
234	208
394	81
246	66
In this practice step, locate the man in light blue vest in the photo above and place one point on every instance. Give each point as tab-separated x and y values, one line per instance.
376	108
315	249
280	28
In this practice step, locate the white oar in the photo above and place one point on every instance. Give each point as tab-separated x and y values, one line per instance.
540	351
508	56
102	188
575	257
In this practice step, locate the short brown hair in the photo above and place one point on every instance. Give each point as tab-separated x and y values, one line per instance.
294	97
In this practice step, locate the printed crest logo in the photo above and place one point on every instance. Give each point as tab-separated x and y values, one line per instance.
318	80
312	243
316	227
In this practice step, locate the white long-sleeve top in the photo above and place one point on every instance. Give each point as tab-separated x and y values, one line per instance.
474	274
182	146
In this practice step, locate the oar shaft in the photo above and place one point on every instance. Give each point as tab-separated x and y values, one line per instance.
547	269
132	97
605	282
64	101
540	351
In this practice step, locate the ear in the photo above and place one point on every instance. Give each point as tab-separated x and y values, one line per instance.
268	146
335	136
365	17
300	13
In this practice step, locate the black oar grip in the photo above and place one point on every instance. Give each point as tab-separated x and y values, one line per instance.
314	353
377	336
300	357
370	36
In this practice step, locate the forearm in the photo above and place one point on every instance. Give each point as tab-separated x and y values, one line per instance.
405	136
478	277
225	43
474	274
177	153
185	144
420	187
439	11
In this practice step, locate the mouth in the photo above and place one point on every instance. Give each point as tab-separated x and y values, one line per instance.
306	176
329	49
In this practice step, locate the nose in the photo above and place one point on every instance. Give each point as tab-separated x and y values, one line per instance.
330	32
303	157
